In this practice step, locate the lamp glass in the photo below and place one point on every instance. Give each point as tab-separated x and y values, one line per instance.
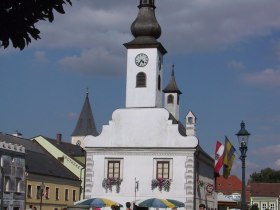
243	140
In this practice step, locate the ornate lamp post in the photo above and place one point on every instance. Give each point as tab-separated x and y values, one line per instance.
42	188
243	138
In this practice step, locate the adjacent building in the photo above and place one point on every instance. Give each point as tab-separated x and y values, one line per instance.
12	176
45	182
69	155
145	151
265	195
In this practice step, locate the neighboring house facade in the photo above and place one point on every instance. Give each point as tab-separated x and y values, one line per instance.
265	195
48	184
145	151
229	192
69	155
12	176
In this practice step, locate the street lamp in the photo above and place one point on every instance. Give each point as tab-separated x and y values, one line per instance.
243	138
2	182
42	187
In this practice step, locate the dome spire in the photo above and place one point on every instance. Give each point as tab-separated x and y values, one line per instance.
146	23
172	86
145	28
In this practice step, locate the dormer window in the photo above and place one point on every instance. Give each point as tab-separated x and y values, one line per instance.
141	79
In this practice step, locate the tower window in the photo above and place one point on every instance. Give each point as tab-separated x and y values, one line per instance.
141	80
159	82
190	120
170	99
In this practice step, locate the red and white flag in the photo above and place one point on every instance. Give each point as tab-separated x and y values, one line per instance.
219	157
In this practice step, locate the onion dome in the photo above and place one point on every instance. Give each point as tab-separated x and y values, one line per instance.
145	28
146	23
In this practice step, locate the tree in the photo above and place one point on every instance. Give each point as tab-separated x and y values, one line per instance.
254	207
18	18
266	175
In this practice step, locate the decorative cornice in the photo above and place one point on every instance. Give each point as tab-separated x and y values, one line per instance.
12	147
142	151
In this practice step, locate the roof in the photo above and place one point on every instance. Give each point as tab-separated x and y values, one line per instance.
181	127
27	143
265	189
146	28
172	86
86	124
68	148
45	164
228	186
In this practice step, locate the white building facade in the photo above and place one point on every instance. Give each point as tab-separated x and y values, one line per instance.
144	151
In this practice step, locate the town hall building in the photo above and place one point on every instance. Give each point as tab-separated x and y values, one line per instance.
145	151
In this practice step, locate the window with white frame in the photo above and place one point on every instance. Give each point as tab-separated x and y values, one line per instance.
163	168
29	191
272	206
74	195
47	192
263	206
66	195
114	168
19	185
57	194
7	183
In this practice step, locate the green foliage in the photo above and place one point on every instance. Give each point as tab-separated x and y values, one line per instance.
266	175
18	18
254	207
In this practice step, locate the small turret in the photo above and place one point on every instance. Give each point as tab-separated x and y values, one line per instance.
190	124
172	96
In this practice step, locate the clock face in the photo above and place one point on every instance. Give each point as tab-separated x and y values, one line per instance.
78	143
141	60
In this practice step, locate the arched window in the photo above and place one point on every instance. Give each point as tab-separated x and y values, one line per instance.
159	82
141	80
170	99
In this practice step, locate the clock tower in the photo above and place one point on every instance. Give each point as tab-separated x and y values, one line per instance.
144	60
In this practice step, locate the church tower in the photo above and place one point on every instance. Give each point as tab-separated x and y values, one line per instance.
144	60
172	96
85	125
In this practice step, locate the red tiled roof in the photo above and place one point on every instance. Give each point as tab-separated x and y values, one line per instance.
228	186
265	189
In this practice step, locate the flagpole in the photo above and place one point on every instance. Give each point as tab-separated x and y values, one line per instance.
135	188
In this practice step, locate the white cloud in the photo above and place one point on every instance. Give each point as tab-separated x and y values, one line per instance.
95	61
187	26
269	151
277	164
237	65
266	78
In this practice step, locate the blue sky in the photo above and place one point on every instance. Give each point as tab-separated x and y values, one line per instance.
226	56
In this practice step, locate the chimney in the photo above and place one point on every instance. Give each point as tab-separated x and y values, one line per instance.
58	138
17	134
